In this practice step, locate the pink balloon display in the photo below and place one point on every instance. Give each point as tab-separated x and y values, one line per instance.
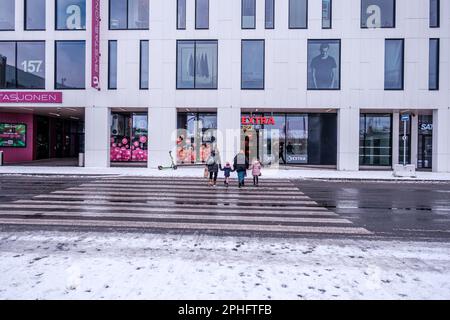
143	139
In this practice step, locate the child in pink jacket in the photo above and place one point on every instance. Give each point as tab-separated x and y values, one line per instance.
256	171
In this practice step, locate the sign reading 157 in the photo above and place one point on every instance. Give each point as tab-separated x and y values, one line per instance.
32	66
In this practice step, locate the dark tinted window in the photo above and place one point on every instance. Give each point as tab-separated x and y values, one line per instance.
112	69
393	64
22	65
434	13
248	14
252	64
7	15
377	13
71	14
201	14
144	65
35	14
181	14
375	142
298	14
128	14
70	65
270	14
434	65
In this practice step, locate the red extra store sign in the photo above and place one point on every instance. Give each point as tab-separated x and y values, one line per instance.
254	121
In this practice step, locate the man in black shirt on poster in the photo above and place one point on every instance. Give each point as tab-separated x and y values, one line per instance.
323	69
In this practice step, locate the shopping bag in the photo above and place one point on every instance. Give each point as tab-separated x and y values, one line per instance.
205	173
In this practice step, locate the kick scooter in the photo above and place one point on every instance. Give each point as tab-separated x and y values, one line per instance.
172	166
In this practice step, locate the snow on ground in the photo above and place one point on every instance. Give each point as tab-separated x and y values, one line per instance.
56	265
197	172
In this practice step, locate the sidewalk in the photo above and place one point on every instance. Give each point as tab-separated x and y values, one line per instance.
197	172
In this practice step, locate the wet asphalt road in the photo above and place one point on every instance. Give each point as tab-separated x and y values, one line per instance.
278	208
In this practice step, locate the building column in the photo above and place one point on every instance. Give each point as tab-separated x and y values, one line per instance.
395	138
228	132
441	141
162	136
415	139
97	137
348	139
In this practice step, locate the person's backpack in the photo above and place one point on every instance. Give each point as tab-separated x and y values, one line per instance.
211	161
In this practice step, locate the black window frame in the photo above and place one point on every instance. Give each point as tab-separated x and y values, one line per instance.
438	14
363	13
109	64
127	22
438	58
242	16
55	69
331	16
25	11
140	65
185	13
289	17
403	65
265	15
196	20
56	19
195	63
264	62
16	69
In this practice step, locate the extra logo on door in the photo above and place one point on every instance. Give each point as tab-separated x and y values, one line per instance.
252	121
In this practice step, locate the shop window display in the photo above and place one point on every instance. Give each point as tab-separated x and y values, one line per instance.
129	138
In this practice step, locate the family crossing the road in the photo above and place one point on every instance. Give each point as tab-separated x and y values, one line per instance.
240	165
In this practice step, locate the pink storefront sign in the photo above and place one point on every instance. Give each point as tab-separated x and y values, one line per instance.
30	97
95	65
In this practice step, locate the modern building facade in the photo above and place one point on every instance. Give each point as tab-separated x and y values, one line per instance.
335	83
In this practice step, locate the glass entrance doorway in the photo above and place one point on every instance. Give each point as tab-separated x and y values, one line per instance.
425	147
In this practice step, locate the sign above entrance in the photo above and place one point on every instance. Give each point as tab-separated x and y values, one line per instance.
30	97
252	121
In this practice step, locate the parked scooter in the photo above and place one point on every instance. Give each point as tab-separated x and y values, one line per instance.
172	166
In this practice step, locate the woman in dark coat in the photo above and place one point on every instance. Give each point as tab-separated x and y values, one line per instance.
212	163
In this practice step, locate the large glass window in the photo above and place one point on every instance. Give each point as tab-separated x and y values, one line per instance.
201	14
22	65
324	69
298	14
197	64
71	14
377	13
270	14
252	76
129	14
197	134
181	14
112	63
34	14
248	14
435	13
425	145
70	65
375	140
434	65
7	14
393	64
327	7
297	139
144	65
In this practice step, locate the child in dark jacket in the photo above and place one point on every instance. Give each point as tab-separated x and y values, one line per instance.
227	172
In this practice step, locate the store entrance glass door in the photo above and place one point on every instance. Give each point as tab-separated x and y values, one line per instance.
425	147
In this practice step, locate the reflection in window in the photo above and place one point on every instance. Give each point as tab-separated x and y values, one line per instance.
248	14
197	64
434	65
71	14
252	64
297	139
393	64
377	13
181	14
35	15
144	65
435	13
326	14
201	14
298	14
70	65
22	65
7	15
270	14
375	140
112	70
129	14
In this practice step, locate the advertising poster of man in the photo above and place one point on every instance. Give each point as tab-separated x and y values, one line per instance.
324	69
